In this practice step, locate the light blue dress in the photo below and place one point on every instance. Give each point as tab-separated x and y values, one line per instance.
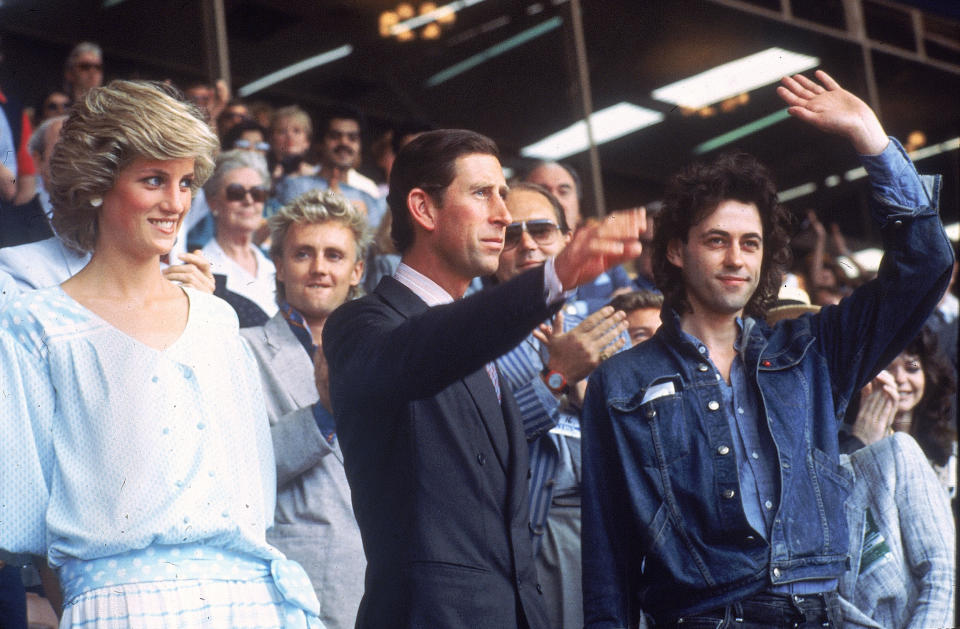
109	447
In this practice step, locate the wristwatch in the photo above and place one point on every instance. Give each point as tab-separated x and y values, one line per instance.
555	381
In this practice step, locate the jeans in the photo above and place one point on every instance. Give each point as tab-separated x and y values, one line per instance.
767	610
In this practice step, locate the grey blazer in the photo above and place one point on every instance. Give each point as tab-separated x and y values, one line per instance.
905	579
314	523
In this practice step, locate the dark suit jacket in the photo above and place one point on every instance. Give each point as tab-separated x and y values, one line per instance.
437	467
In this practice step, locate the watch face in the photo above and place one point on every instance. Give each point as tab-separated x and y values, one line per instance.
555	381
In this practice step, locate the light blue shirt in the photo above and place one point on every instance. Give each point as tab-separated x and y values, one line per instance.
108	445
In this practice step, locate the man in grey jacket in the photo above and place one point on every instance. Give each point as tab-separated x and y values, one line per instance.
318	245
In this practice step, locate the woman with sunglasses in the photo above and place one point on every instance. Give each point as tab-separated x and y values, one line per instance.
236	193
135	451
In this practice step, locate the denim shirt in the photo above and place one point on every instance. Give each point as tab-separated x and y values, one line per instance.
663	516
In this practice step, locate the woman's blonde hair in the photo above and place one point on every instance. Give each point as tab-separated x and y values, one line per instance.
107	130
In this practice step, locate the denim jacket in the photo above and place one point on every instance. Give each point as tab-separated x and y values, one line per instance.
664	529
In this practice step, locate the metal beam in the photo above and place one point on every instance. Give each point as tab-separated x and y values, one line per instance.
215	39
586	105
837	33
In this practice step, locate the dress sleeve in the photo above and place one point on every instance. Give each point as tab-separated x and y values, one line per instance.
27	410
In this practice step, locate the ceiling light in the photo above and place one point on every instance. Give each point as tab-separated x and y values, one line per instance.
295	69
735	77
607	124
796	192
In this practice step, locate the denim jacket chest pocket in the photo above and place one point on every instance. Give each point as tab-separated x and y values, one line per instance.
659	423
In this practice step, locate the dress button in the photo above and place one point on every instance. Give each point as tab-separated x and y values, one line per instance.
776	572
713	405
482	458
729	493
702	367
755	454
201	425
723	450
768	505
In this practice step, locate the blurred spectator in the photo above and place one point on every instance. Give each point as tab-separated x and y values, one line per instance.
246	135
236	193
919	400
83	69
29	222
290	134
642	308
17	169
53	103
234	112
341	142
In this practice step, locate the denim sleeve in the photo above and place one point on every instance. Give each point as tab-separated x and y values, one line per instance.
897	189
862	334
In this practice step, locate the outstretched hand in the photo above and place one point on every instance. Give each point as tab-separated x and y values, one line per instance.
832	109
599	245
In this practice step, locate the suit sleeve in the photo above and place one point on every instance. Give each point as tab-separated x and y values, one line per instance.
389	358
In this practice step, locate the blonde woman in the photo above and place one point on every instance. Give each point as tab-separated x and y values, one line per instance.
134	451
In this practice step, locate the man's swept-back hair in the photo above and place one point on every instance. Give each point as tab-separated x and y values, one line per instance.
317	207
693	194
108	129
429	162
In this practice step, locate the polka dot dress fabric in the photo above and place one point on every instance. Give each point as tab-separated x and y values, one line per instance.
109	446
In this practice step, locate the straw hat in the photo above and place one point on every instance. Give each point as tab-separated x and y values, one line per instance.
791	303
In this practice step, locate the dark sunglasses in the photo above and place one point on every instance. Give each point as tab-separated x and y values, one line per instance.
246	144
86	66
236	192
542	230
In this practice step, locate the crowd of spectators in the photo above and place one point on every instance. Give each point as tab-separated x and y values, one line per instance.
288	191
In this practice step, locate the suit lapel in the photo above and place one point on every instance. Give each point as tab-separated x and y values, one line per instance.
478	384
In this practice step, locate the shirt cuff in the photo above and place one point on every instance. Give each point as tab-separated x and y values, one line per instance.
552	288
325	422
894	178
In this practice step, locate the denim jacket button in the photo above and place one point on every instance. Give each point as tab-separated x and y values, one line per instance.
776	572
702	367
713	405
729	493
651	413
723	450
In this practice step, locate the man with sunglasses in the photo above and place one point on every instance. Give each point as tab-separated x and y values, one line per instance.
546	373
433	444
83	69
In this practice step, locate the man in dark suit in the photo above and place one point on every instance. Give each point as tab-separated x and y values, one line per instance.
434	449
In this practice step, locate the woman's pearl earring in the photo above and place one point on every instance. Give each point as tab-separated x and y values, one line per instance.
96	201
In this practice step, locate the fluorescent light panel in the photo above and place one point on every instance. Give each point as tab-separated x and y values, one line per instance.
493	51
741	132
607	124
795	193
295	69
735	77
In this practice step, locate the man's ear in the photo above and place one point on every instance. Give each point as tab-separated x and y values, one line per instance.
422	209
357	273
675	253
